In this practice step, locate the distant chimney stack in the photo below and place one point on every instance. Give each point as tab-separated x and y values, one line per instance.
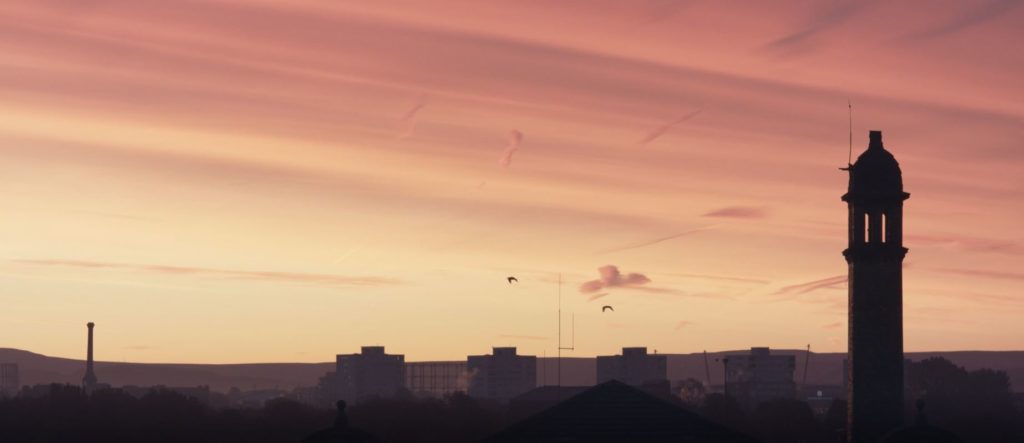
89	381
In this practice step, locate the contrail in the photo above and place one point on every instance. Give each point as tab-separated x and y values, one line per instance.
654	241
408	120
661	130
515	138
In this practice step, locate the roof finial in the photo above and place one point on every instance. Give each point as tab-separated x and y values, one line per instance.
875	140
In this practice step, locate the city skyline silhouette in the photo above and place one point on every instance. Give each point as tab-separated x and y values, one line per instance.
324	211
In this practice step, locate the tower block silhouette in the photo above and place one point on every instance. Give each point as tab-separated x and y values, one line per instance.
874	256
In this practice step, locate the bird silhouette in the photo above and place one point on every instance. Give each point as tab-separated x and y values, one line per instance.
607	308
512	279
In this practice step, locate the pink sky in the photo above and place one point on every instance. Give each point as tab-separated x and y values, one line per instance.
234	181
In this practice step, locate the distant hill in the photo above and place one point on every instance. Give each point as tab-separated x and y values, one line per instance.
824	368
36	368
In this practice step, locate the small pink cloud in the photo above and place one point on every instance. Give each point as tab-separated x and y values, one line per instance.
597	296
610	277
683	324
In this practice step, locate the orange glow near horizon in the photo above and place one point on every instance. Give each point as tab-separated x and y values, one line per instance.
257	181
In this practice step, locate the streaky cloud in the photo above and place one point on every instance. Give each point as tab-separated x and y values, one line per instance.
747	212
984	273
522	337
275	276
986	12
653	241
803	288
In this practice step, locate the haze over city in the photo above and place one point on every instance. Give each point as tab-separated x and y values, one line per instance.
229	181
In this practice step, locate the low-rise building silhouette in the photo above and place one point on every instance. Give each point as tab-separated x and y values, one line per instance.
635	367
501	375
10	382
759	376
371	373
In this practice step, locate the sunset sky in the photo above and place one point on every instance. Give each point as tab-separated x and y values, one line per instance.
243	181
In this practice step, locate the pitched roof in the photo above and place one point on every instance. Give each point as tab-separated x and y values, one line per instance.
616	412
550	393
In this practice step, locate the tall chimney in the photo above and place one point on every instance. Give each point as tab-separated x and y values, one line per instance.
89	381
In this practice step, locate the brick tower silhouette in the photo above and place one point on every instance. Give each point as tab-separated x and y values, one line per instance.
875	260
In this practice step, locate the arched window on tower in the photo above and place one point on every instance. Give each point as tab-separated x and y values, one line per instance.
885	230
867	227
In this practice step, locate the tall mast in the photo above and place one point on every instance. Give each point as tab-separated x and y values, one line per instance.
849	155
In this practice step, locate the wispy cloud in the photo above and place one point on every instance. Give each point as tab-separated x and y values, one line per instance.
832	325
836	282
981	298
653	241
408	119
661	130
597	296
836	14
984	273
274	276
980	13
965	242
747	212
722	278
522	337
683	324
515	138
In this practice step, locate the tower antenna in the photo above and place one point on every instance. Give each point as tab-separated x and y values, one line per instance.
707	370
849	155
807	359
561	347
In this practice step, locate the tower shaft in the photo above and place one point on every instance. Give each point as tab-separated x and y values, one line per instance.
874	258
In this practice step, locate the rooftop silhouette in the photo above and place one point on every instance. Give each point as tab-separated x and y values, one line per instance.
616	412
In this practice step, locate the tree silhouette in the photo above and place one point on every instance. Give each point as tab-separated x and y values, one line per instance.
975	405
786	420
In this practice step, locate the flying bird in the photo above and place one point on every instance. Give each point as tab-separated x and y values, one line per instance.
607	308
661	130
515	138
512	279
